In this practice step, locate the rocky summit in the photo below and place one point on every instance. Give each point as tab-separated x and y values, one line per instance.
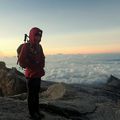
59	101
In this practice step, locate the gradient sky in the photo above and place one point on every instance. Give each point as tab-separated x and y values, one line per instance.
70	26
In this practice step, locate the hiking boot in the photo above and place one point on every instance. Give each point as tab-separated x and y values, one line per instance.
35	116
41	115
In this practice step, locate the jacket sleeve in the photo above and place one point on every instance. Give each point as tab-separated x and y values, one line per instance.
42	58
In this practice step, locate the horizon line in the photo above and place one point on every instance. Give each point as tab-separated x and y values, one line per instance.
69	54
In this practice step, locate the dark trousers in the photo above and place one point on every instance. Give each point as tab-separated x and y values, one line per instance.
33	88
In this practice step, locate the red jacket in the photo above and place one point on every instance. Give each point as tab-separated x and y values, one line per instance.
37	62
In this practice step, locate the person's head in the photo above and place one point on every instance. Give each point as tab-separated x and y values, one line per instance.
35	35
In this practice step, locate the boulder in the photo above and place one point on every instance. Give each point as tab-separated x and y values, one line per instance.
2	65
11	81
59	91
113	82
112	88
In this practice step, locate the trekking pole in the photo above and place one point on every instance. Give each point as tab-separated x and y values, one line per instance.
25	37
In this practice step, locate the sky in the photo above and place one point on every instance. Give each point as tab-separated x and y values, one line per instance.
69	26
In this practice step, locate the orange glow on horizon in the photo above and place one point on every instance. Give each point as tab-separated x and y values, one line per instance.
97	49
98	42
84	50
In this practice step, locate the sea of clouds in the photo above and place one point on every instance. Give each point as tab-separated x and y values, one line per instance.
77	68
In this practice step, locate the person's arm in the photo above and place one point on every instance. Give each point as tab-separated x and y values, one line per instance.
43	57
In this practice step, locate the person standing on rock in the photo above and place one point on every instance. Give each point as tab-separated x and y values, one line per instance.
34	70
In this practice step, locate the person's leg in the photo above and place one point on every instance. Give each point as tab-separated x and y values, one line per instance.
31	97
36	93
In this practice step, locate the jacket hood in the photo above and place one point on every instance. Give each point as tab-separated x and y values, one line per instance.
32	34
